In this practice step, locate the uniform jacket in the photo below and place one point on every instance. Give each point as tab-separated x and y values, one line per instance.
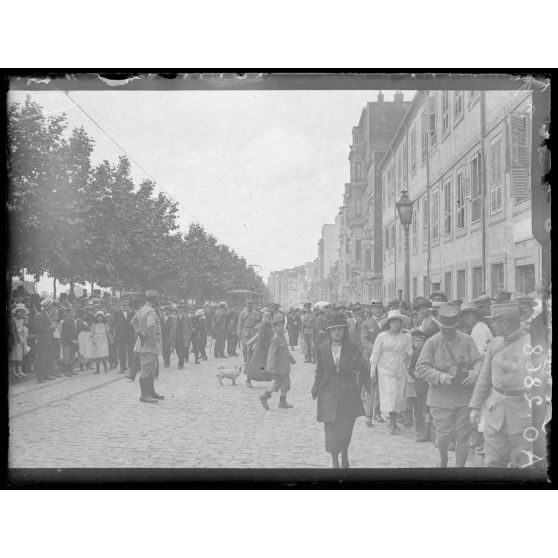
368	333
504	369
247	322
335	390
146	322
120	325
435	359
278	356
183	330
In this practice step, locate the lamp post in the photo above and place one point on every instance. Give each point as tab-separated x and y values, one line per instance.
405	210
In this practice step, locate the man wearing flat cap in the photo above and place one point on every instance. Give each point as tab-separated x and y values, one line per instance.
502	386
450	362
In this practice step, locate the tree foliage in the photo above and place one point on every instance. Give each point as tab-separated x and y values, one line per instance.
79	222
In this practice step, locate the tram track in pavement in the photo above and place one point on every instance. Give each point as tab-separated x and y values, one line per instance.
63	398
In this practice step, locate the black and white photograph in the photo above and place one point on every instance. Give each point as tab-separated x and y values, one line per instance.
276	272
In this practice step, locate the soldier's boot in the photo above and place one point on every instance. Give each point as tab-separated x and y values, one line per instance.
345	458
409	419
152	391
263	398
283	403
426	435
144	387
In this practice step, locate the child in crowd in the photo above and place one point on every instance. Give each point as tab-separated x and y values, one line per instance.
420	387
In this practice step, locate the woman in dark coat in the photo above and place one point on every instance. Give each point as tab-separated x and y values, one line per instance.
294	324
341	373
256	368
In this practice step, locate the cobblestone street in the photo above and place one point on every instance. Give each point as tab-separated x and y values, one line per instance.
199	424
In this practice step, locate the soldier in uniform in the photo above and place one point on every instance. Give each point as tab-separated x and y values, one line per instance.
502	385
450	362
149	344
220	330
232	337
246	328
368	333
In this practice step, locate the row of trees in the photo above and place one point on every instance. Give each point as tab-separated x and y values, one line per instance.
78	222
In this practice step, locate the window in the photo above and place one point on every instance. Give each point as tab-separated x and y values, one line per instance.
519	157
405	165
447	285
424	136
460	199
478	287
525	278
415	229
425	223
358	206
461	285
425	291
358	251
399	294
413	151
435	287
445	112
435	215
473	96
447	207
496	176
473	180
432	124
415	287
497	277
358	170
457	105
368	259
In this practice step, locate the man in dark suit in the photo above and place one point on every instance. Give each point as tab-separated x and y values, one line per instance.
183	334
122	330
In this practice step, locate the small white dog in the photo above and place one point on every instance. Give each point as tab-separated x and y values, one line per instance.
229	373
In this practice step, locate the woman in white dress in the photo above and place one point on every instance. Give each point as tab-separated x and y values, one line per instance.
99	342
392	354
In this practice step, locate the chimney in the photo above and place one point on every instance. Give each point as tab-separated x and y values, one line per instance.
380	97
398	97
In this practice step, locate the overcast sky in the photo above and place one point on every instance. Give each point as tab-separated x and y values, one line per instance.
262	171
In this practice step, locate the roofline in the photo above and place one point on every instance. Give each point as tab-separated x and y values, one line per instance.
417	99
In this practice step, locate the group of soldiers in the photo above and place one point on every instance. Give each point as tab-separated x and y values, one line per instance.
484	369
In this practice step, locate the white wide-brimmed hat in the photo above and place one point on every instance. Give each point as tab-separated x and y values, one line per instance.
395	315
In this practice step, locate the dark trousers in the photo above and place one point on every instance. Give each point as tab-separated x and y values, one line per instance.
232	343
125	349
308	341
182	353
44	359
166	350
54	354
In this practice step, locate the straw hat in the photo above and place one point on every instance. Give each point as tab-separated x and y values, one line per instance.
395	315
19	306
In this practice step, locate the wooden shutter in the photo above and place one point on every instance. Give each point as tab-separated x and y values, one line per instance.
518	156
466	181
496	178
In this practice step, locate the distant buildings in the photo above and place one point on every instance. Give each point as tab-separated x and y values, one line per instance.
463	157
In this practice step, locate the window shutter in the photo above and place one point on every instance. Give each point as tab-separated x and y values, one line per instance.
466	181
520	183
496	176
519	151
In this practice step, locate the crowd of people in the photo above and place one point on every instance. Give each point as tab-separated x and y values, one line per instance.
456	371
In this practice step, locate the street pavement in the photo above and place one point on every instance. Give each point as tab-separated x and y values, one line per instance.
199	424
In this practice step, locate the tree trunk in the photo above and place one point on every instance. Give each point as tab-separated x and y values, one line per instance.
54	287
72	288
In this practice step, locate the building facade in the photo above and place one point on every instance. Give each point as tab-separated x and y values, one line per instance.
360	249
463	157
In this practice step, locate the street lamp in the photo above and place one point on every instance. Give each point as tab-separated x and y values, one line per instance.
405	210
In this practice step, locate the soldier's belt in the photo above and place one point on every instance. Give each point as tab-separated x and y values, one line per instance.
510	392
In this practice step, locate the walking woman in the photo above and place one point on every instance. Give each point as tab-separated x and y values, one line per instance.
392	355
294	325
341	373
99	342
257	366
